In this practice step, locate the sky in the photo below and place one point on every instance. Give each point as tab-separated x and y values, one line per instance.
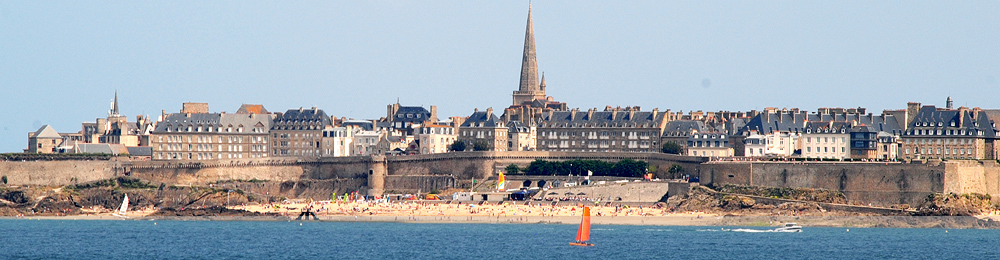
62	61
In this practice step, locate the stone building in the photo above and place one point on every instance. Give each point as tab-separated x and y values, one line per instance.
522	137
435	138
210	136
713	144
485	128
366	141
629	130
405	119
825	140
679	131
299	133
944	133
337	141
44	140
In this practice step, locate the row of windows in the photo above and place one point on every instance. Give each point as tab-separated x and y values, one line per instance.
827	140
554	134
826	149
939	141
209	129
208	139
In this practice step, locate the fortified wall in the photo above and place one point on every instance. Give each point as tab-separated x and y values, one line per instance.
375	174
881	184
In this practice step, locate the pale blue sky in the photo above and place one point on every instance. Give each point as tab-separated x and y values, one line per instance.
60	62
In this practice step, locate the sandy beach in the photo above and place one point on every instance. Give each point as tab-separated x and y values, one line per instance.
533	213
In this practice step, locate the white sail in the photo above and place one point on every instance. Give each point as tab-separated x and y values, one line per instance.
124	206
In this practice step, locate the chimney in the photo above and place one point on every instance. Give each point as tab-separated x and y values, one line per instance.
489	113
911	114
572	114
434	114
961	116
656	111
631	114
590	113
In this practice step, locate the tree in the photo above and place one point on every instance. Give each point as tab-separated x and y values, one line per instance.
676	168
629	168
671	148
512	169
457	146
4	179
481	145
526	183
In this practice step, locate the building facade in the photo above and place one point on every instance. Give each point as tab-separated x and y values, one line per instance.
337	141
615	130
486	129
210	136
435	138
299	133
709	144
961	133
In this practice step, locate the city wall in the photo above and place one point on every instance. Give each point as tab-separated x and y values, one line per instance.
882	184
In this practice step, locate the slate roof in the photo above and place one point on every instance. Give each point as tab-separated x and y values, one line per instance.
46	131
140	151
931	118
683	127
798	122
601	119
486	120
403	110
514	127
112	149
178	122
301	119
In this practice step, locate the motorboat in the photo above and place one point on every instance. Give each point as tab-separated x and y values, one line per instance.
789	227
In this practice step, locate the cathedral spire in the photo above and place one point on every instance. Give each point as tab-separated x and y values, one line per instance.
529	90
114	106
529	67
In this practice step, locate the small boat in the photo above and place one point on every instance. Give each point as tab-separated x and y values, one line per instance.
123	208
583	233
789	227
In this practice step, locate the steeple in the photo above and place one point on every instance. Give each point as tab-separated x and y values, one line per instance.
114	106
541	86
529	89
529	66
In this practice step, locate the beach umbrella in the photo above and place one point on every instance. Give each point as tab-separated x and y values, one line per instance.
569	193
553	193
581	193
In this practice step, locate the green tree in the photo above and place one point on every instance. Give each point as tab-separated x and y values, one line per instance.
512	169
629	168
4	179
676	168
671	148
457	146
481	145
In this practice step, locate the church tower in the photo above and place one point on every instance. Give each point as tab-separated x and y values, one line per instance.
529	89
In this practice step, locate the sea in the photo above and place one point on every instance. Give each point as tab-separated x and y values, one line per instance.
160	239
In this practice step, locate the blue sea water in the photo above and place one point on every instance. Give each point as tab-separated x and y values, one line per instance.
104	239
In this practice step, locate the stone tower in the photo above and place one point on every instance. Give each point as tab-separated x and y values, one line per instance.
529	89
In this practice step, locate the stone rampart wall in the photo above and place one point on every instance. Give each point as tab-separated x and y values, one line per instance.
973	177
881	184
57	173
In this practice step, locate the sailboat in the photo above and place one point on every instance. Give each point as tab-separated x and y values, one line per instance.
123	208
583	234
